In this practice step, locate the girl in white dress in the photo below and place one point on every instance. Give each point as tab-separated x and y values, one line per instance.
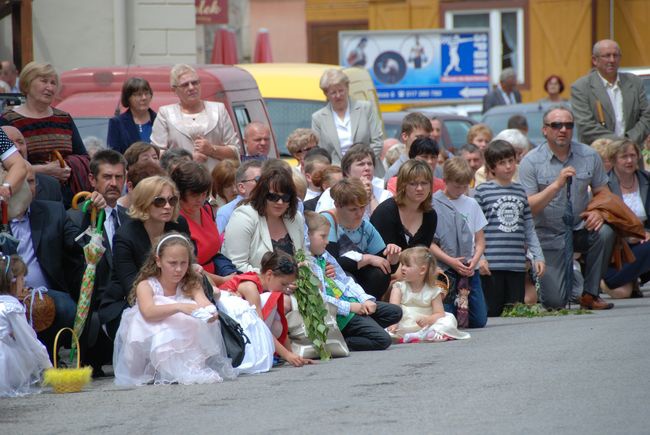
22	357
172	333
424	317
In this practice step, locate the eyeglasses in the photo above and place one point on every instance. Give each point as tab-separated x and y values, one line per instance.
185	85
160	201
559	125
256	180
416	184
609	56
275	197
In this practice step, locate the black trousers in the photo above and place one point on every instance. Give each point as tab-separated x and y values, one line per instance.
367	332
373	280
503	288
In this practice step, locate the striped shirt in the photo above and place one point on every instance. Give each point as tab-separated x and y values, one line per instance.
510	229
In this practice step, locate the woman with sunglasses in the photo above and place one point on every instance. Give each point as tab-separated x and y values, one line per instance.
154	211
201	127
267	220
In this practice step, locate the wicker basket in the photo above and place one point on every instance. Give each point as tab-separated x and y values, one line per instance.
40	311
67	380
442	281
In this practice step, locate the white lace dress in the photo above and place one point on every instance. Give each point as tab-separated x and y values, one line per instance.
22	357
178	349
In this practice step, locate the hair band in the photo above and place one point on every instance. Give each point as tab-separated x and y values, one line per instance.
164	239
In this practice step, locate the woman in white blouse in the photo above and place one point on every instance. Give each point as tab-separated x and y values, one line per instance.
201	127
633	185
344	122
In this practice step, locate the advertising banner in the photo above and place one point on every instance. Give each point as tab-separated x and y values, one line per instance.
421	65
211	11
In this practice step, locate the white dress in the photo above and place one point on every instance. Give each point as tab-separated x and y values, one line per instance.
22	357
258	356
178	349
418	304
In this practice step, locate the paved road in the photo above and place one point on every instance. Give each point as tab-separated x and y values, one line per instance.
562	375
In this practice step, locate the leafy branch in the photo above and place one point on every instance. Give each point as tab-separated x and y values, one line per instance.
312	307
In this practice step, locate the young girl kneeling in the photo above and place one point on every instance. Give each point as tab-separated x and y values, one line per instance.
171	334
424	316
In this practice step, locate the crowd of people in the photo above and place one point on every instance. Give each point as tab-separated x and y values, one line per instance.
413	249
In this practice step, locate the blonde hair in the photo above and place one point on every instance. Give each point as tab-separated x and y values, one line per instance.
603	147
619	146
300	138
394	153
457	170
11	267
150	268
300	183
34	70
476	130
333	77
144	193
316	221
421	256
177	71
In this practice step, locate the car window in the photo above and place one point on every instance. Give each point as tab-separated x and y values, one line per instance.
243	118
97	127
288	115
457	129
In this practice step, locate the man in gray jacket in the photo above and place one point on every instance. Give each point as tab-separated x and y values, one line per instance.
608	103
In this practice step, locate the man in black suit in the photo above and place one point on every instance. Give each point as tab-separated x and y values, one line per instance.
48	248
505	93
47	187
107	176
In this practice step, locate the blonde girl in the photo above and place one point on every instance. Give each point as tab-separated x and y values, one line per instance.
424	317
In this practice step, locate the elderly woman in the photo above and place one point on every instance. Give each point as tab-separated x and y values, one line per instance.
154	210
355	242
408	220
554	86
193	182
202	127
344	122
268	220
47	129
630	183
359	162
136	122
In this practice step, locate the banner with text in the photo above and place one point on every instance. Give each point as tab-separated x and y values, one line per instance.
211	11
420	65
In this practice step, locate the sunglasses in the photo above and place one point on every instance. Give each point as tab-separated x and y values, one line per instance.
559	125
275	197
185	85
160	201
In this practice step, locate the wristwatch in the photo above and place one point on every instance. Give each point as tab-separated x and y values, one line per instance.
8	186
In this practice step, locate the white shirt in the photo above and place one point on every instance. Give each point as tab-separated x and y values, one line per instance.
616	98
344	130
508	98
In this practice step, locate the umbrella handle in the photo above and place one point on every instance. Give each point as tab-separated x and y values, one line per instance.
80	195
58	157
101	216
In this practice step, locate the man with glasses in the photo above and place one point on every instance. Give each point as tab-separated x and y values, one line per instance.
245	180
608	103
556	176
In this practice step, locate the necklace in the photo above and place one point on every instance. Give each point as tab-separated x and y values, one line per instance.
630	187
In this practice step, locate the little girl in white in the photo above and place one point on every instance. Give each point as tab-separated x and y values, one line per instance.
171	334
424	317
22	357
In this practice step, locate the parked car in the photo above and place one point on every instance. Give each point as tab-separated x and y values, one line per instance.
92	95
497	118
471	110
454	129
292	93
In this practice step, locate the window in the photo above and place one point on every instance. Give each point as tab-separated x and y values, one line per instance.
506	36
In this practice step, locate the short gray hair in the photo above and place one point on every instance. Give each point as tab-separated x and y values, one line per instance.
596	50
506	74
557	107
332	77
515	137
177	71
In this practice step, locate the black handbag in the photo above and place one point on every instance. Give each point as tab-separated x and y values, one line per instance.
234	338
232	333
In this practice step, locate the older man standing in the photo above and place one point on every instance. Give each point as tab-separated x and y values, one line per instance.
556	176
505	93
257	137
608	103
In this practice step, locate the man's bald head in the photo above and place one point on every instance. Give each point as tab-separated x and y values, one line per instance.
17	138
257	138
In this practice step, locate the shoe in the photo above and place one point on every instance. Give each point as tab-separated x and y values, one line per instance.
589	302
98	373
636	291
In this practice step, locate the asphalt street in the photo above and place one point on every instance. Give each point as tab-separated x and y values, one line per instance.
575	374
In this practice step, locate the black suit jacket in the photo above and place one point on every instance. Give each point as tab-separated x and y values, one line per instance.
131	247
58	254
122	131
495	98
48	188
105	265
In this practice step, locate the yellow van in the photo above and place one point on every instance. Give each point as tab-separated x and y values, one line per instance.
291	92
